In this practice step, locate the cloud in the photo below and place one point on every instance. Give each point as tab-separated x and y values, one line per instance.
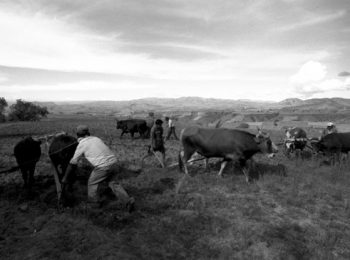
311	71
312	20
312	79
344	74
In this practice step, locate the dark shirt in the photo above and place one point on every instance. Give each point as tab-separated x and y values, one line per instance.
157	137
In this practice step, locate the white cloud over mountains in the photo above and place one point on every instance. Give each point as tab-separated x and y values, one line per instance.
312	79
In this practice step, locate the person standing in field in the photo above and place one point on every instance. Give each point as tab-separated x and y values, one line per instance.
171	128
105	166
150	122
157	140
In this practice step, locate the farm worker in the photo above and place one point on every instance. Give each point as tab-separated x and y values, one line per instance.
157	140
330	129
150	122
105	166
171	128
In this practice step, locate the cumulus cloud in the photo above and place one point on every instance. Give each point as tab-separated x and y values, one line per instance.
312	79
310	72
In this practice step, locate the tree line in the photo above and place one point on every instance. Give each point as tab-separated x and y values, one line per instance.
22	111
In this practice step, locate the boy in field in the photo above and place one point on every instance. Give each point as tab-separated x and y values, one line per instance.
157	142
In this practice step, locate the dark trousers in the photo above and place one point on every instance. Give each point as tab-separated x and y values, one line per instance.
171	131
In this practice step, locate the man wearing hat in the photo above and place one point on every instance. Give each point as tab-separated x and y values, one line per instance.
330	129
105	166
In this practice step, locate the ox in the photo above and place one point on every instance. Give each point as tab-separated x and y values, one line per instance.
295	141
229	144
333	144
27	153
61	151
133	126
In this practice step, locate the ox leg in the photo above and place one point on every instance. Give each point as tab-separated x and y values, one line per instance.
24	172
31	176
185	156
142	133
246	174
223	165
185	159
121	135
206	162
58	184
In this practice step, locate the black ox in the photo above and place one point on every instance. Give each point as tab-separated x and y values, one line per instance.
333	145
229	144
133	126
61	151
27	153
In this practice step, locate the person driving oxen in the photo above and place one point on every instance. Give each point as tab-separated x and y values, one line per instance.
331	128
105	166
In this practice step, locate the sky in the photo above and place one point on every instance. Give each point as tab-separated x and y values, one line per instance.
64	50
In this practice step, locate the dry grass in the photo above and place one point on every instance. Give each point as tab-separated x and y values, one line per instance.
304	215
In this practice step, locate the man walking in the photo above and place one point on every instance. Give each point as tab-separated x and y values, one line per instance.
171	128
105	166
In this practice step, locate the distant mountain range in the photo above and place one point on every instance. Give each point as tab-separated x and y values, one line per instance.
291	105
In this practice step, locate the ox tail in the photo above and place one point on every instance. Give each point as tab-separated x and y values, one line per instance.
181	165
13	169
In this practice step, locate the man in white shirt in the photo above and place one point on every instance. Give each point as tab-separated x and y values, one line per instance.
105	166
171	128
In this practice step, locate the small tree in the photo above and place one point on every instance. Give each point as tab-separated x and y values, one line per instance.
26	111
3	105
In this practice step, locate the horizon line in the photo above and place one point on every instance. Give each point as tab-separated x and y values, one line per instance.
164	98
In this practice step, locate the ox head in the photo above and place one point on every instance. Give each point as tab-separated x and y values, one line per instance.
265	144
316	144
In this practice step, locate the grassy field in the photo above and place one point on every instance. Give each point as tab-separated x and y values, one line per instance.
304	215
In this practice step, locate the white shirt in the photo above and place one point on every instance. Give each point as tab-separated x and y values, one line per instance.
170	123
95	151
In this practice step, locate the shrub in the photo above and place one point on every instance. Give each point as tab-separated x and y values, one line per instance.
26	111
3	105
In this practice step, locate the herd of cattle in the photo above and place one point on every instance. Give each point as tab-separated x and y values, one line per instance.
228	144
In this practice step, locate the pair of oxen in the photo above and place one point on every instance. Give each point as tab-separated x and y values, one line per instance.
332	145
61	148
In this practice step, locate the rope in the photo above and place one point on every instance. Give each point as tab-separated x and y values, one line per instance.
63	148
